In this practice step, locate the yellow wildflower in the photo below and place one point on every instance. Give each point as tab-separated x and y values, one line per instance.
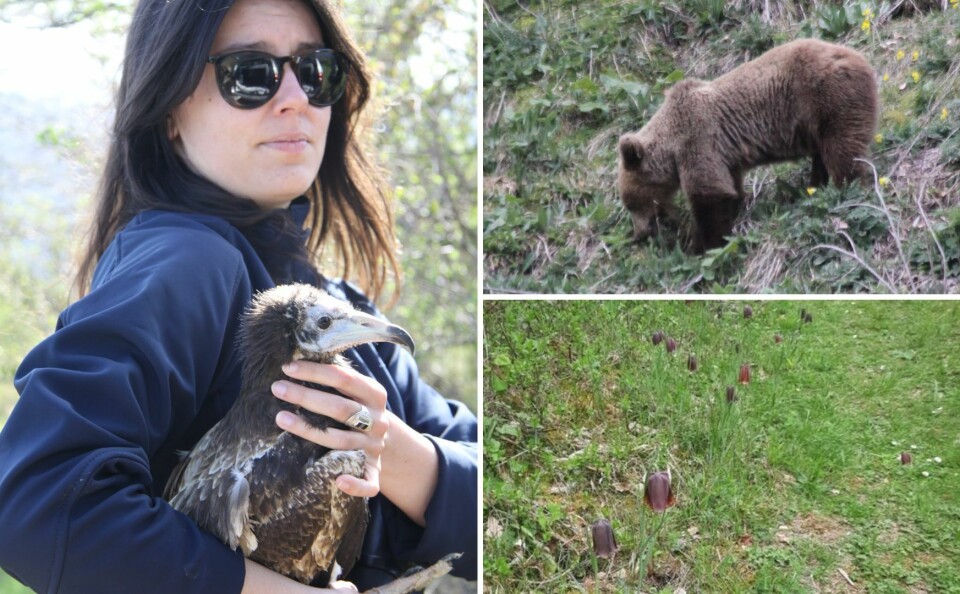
886	77
943	114
865	26
878	138
916	55
811	191
900	54
883	181
916	76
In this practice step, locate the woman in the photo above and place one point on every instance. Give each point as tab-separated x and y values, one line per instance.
234	122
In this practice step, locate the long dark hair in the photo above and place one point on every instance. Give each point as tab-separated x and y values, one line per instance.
167	47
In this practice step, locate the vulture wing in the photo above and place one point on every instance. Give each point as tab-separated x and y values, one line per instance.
211	486
305	525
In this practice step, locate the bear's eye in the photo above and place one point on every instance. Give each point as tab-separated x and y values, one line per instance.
324	322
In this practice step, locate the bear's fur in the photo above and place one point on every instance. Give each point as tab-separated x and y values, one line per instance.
804	98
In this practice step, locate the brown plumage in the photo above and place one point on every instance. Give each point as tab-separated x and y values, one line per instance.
260	488
807	98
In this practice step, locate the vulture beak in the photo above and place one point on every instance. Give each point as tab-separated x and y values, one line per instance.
360	328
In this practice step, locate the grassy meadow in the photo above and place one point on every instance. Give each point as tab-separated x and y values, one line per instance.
794	486
563	80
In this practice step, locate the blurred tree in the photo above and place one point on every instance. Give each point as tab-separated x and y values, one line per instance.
426	137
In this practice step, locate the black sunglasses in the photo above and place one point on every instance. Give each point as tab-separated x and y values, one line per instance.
249	79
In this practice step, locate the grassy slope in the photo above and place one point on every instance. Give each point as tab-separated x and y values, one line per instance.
776	493
563	80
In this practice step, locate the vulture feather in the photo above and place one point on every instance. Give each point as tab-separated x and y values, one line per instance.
260	488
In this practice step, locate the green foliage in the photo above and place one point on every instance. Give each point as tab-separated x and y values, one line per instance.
950	152
102	14
32	291
754	37
426	135
833	21
709	13
10	586
797	477
58	137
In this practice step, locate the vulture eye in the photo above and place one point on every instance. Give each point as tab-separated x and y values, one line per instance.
324	322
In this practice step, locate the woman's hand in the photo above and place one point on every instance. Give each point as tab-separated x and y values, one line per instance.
408	460
359	389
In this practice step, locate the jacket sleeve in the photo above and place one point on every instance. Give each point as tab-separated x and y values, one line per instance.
125	371
452	514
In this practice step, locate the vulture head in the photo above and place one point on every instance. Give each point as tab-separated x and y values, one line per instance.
303	322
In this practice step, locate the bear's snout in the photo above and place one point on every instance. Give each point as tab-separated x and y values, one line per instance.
643	225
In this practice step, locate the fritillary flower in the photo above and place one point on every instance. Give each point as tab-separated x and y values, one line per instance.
604	541
731	394
745	373
658	492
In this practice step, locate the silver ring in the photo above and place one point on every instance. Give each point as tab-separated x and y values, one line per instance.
360	420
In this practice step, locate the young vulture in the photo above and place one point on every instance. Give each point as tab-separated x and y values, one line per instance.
260	488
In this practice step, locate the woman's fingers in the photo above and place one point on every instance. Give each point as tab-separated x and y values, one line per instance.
322	403
358	390
368	486
347	381
336	439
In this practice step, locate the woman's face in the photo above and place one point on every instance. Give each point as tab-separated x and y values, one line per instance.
270	154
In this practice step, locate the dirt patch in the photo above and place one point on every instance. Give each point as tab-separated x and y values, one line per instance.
889	536
668	571
813	526
499	184
827	530
836	582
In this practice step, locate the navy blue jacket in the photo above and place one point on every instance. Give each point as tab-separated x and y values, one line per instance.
140	368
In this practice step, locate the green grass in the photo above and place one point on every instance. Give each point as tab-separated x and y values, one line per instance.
777	492
8	585
561	85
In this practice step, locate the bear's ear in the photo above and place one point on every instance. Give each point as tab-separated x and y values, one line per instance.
631	150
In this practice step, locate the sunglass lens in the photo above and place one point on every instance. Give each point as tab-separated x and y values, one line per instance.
247	80
322	76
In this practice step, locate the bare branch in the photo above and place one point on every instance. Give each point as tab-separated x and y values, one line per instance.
853	255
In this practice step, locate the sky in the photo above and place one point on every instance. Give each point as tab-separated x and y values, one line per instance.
55	83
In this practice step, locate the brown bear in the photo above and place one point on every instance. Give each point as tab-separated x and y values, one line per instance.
804	98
